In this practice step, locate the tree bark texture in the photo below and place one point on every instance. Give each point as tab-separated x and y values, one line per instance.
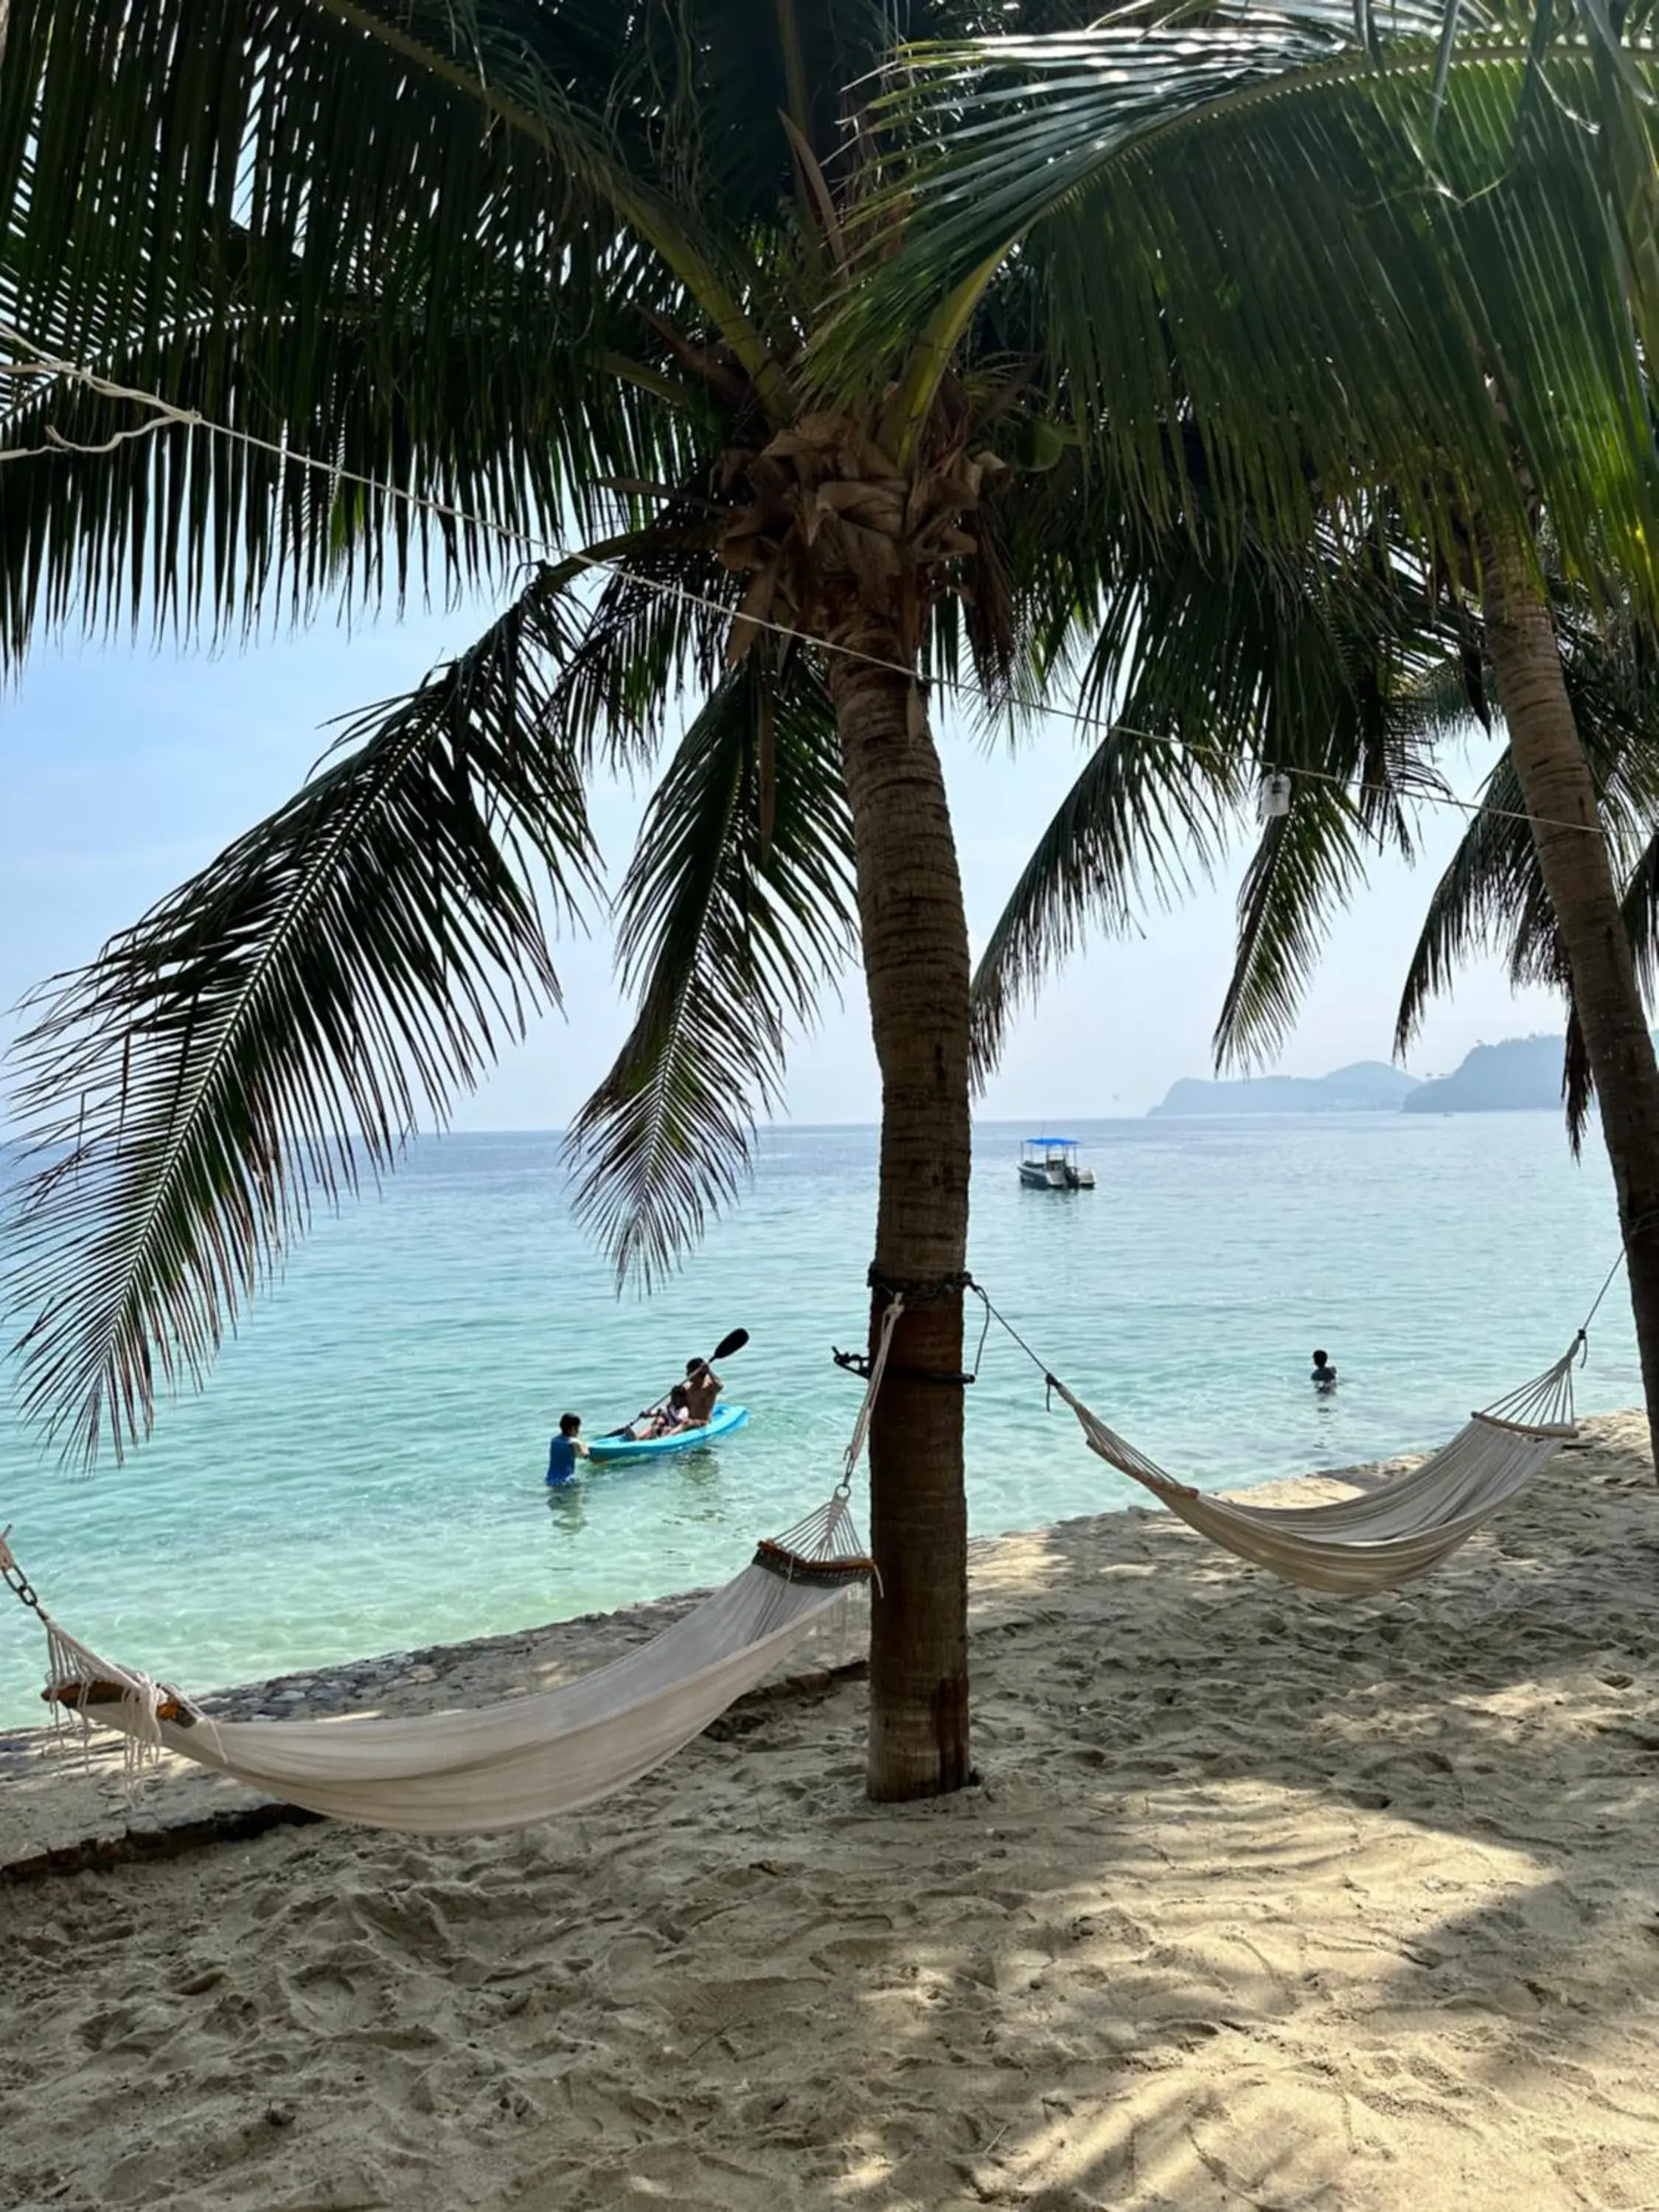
1555	780
917	965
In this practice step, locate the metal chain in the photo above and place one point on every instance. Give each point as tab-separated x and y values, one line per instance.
15	1580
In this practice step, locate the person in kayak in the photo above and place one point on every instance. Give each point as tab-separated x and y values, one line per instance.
565	1450
670	1417
691	1404
702	1387
1324	1374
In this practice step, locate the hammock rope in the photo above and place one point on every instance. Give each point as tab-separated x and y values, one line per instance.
860	1436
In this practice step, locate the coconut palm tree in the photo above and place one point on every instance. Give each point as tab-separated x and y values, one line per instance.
1387	281
572	300
1492	894
1345	676
522	295
1369	697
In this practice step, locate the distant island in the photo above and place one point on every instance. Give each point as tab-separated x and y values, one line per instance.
1520	1075
1369	1087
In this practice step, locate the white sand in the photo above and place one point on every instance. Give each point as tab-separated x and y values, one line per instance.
1268	1901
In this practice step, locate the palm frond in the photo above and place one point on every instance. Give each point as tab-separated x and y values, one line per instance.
419	243
1343	704
657	627
112	514
729	935
1305	864
323	475
1491	896
1577	1081
282	1019
1411	258
1473	901
1640	905
1137	821
158	158
1244	666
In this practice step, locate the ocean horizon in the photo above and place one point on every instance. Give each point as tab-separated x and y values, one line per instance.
363	1473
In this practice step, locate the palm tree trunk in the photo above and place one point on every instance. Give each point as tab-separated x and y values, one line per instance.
1555	780
915	962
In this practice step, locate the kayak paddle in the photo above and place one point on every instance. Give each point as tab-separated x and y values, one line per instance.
725	1349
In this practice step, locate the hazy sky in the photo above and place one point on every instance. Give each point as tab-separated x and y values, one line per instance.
124	768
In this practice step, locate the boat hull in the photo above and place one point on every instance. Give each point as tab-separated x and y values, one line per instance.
725	1420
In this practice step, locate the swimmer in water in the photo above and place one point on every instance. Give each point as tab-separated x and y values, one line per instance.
1324	1374
566	1448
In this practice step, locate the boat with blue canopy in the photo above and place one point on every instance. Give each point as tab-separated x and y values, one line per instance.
1051	1164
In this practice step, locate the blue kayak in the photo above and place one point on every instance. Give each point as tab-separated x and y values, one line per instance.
726	1418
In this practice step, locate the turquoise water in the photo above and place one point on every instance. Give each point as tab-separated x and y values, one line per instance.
364	1471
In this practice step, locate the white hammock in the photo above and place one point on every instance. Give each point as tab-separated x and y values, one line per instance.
512	1764
1356	1546
521	1760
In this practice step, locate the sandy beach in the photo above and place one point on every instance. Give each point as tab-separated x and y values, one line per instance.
1265	1900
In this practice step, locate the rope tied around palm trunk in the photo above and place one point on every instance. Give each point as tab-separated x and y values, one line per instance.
903	1291
918	1290
859	1364
933	1290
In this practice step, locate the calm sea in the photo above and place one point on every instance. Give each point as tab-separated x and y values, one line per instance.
364	1471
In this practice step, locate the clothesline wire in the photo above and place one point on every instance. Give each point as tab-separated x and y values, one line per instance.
44	363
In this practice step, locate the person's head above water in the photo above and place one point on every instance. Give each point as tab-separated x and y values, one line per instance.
1320	1358
569	1424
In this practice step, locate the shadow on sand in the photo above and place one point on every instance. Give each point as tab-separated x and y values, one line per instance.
1266	1901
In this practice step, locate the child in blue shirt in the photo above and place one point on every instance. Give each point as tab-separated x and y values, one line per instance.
565	1450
